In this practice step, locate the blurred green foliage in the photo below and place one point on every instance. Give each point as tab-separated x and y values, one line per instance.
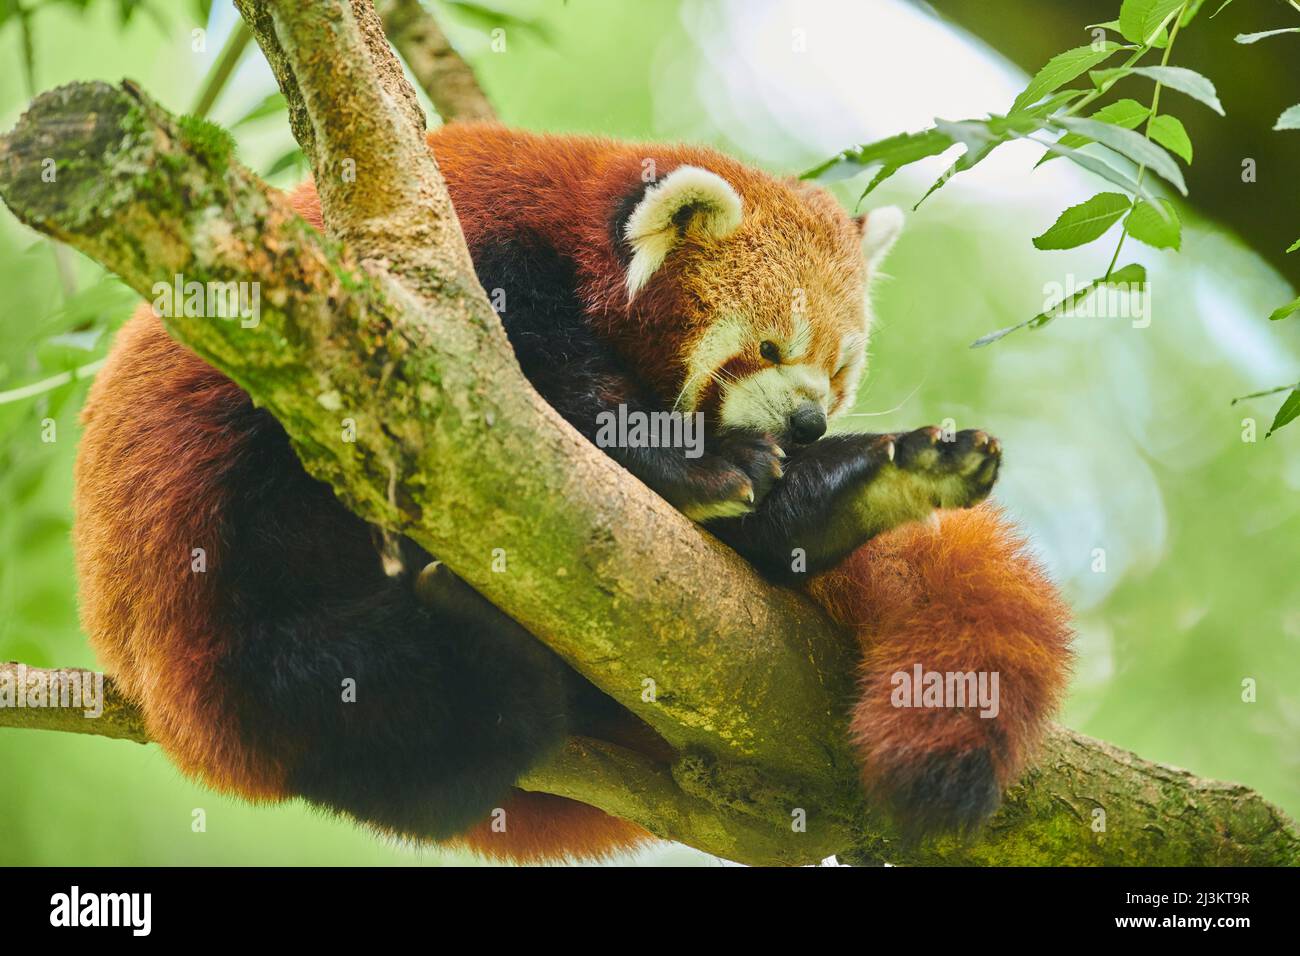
1120	441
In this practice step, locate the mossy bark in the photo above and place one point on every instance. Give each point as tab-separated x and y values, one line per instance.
380	355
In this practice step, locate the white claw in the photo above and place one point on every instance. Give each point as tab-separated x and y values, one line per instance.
889	450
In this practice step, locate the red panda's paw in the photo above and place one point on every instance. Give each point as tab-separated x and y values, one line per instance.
736	472
926	470
959	469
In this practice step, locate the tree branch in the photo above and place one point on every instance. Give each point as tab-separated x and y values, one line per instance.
441	72
392	331
1154	813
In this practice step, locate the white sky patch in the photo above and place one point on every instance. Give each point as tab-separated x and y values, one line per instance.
1241	335
866	70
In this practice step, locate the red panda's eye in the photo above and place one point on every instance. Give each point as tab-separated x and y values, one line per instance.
770	352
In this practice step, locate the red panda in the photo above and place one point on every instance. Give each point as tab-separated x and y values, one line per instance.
652	278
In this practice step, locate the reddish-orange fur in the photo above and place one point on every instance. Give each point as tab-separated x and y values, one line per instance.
149	428
153	439
542	828
962	597
959	594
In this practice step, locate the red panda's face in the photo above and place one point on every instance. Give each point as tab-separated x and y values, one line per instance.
766	285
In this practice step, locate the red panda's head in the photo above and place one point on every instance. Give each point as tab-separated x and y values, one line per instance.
755	290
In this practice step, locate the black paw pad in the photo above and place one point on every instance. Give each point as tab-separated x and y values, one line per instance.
963	465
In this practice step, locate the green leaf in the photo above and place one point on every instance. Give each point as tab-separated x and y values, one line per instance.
1141	20
970	158
270	106
1159	42
1294	246
981	137
1085	222
1263	394
1132	274
289	160
1290	118
1286	311
1193	9
1049	105
1148	225
1103	80
1098	165
1287	413
1223	6
1184	81
1129	275
973	134
1061	69
1256	37
889	155
1126	113
1128	143
1170	133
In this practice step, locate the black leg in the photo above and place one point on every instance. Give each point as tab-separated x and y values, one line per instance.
843	490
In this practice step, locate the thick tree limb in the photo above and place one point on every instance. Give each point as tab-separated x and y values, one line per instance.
455	449
603	570
1153	813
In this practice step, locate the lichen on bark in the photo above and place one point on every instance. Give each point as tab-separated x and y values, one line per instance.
390	327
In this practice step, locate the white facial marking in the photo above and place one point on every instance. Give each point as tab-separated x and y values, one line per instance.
852	362
654	229
720	341
764	400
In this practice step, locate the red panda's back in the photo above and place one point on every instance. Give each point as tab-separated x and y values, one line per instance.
161	430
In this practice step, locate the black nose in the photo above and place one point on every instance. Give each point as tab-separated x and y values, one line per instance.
808	423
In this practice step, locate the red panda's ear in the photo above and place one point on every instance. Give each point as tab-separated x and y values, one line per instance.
879	228
689	199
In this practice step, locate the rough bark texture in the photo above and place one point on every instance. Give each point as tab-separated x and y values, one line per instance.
1154	814
118	717
454	448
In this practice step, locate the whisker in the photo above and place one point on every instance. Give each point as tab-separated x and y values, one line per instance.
888	411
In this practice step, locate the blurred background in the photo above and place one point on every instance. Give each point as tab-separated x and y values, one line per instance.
1173	536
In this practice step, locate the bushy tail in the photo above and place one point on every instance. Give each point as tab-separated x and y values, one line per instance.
954	597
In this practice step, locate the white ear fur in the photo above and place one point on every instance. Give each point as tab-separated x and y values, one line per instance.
883	226
654	227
